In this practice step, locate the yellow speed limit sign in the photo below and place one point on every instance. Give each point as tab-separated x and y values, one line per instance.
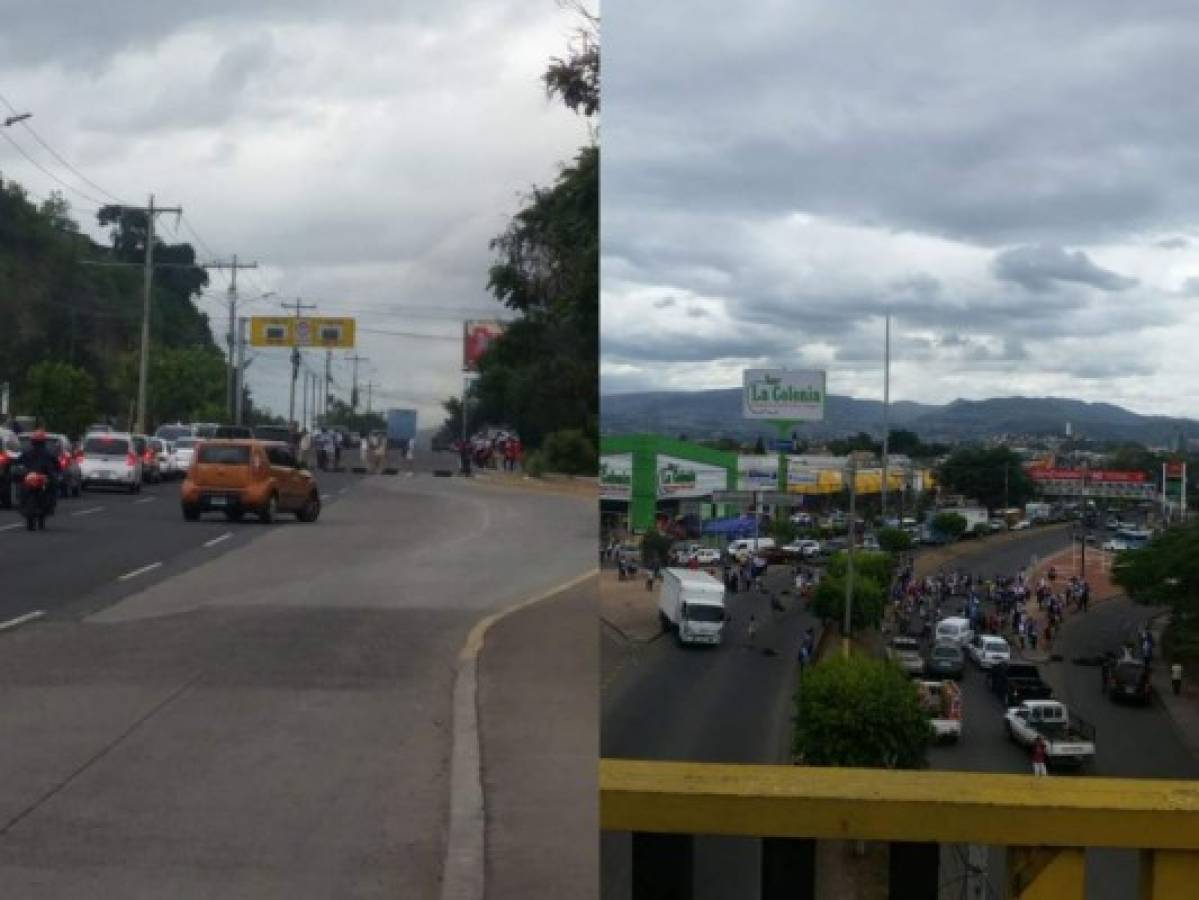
304	331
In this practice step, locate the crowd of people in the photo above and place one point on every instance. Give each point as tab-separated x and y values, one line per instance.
997	605
492	450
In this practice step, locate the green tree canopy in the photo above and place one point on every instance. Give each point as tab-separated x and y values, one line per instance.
62	397
860	712
979	473
894	540
869	598
949	524
1165	572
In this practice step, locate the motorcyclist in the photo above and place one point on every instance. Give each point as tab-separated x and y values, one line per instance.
39	458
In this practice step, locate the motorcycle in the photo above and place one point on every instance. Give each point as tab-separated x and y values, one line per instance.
37	500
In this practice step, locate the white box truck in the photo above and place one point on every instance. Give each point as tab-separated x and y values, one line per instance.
691	603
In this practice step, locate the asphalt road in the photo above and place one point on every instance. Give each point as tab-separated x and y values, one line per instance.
731	705
1131	741
728	704
269	721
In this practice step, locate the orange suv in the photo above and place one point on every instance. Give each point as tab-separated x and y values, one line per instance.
248	476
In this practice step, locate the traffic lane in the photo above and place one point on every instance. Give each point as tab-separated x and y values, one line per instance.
275	722
1133	741
729	703
89	555
1011	556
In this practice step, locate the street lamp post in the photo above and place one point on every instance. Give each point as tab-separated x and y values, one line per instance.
853	493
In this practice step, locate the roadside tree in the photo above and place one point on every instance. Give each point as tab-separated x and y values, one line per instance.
828	602
894	540
859	712
949	524
980	472
60	396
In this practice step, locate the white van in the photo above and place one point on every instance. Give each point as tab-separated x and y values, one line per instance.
750	545
691	602
955	630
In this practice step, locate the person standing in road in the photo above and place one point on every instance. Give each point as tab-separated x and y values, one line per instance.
1039	756
1176	678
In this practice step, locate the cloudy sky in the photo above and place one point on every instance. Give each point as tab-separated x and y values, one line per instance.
364	153
1017	183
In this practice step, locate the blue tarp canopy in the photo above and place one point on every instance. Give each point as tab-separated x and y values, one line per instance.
741	526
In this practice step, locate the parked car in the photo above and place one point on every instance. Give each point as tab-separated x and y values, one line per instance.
802	519
10	449
1127	679
805	548
945	660
988	650
942	702
997	524
905	653
1022	525
248	476
151	472
1115	545
870	542
707	556
110	459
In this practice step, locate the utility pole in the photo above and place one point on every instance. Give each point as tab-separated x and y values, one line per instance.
144	363
304	405
328	379
295	356
239	382
355	359
369	385
233	381
847	626
886	411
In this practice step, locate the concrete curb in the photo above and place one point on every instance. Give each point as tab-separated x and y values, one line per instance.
463	873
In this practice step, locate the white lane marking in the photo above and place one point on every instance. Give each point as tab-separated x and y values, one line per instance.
142	571
12	526
326	496
88	512
217	540
21	620
146	500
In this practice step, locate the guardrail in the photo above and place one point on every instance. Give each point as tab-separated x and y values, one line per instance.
664	805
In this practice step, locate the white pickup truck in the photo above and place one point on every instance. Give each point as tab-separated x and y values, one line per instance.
1068	739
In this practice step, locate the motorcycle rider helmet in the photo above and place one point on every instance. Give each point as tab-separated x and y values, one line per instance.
39	436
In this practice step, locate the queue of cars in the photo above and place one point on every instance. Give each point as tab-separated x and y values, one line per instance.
238	474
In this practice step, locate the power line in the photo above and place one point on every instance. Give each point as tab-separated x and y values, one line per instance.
37	137
4	134
412	334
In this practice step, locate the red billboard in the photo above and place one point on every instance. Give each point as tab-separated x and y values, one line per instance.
477	337
1112	476
1056	474
1175	469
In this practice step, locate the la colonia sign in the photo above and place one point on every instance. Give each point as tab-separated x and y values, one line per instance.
783	394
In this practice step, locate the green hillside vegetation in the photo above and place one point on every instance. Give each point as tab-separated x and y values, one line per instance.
71	330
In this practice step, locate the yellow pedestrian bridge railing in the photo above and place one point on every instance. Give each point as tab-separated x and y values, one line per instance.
1045	824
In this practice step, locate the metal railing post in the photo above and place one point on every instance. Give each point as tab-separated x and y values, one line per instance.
663	866
788	869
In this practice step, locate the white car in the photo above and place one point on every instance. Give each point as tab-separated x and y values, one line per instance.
802	519
1115	545
1022	525
988	650
185	448
166	457
870	542
110	459
806	548
707	556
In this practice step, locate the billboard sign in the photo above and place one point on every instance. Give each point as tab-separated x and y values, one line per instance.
1175	469
783	395
1056	474
477	337
616	476
1111	476
304	331
685	478
758	473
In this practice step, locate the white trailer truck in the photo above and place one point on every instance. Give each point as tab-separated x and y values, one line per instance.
691	603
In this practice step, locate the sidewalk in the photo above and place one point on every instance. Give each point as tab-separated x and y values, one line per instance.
539	729
1183	709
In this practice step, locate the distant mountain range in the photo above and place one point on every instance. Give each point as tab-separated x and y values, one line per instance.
712	414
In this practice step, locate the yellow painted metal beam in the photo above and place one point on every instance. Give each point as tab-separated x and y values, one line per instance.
1169	874
877	804
1047	873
